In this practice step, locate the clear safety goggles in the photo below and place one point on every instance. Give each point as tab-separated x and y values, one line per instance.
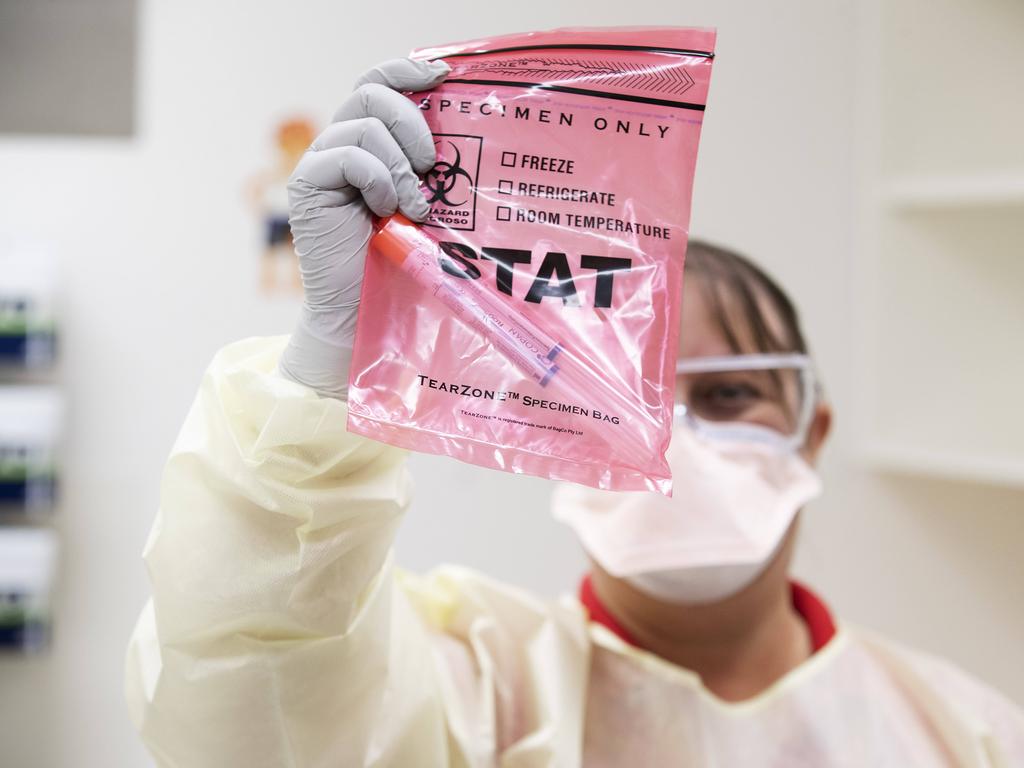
767	398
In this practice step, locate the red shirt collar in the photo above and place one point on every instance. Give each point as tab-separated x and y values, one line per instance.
811	608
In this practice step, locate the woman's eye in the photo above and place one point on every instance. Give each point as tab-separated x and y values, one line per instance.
725	398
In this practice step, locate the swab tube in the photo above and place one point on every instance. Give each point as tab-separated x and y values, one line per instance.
519	339
419	256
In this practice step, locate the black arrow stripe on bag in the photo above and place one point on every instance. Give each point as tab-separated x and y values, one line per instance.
672	80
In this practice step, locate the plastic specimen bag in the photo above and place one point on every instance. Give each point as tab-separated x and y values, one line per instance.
531	324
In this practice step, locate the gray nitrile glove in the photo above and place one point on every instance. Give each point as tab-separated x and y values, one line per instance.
366	160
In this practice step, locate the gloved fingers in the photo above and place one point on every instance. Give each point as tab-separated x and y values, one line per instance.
336	176
400	116
370	134
406	74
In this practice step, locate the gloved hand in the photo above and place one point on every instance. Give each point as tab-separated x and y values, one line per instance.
366	160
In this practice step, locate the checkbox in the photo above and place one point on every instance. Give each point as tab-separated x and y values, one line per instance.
504	187
504	213
508	159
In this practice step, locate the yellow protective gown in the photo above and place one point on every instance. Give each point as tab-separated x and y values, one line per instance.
280	635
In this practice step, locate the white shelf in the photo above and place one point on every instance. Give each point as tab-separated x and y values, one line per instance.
1005	472
955	191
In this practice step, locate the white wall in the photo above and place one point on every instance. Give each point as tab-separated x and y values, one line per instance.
160	270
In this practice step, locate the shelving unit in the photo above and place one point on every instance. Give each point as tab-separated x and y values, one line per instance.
916	193
946	243
30	425
999	472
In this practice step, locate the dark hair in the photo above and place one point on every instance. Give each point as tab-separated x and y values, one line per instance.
737	290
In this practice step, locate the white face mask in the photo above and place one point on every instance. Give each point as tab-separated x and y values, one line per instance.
733	503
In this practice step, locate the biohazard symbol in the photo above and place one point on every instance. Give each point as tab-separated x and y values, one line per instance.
442	178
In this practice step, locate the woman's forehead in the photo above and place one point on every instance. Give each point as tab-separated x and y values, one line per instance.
712	311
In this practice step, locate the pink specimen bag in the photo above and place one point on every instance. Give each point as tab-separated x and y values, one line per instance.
531	324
